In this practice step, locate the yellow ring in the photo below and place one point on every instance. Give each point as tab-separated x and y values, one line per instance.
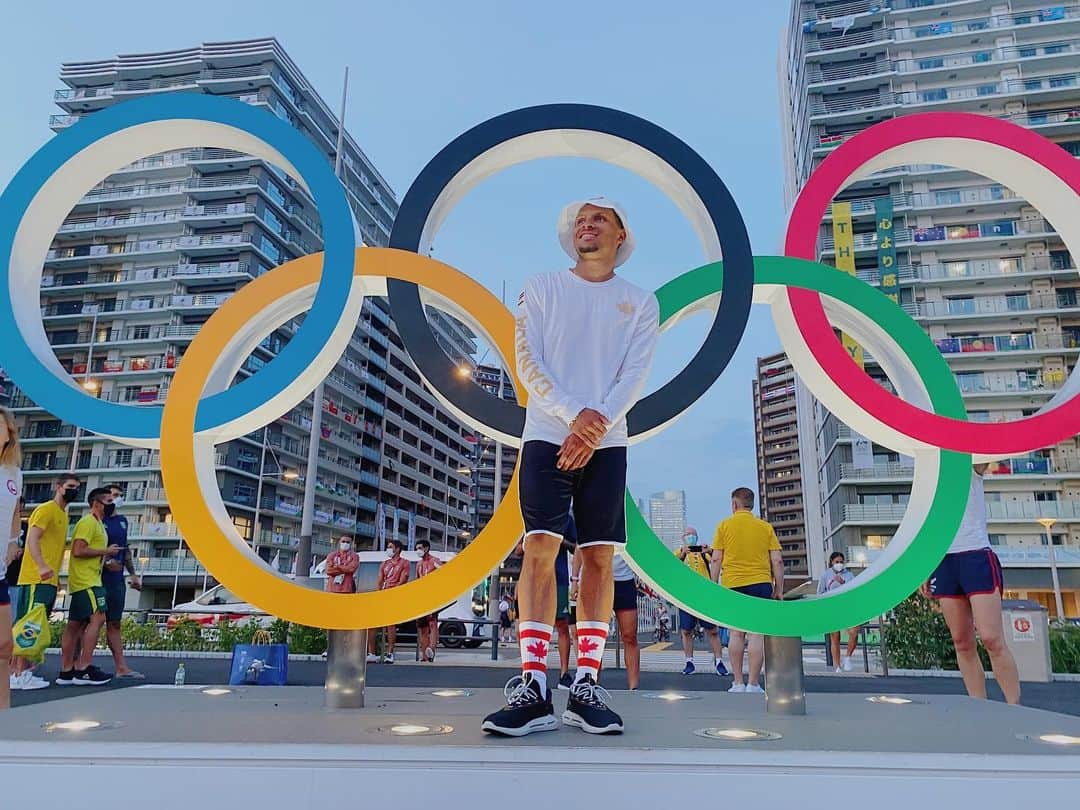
230	560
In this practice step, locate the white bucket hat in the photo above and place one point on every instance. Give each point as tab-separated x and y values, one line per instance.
569	215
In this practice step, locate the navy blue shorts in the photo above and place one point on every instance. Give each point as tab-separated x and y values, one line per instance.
115	596
625	595
688	620
966	573
596	493
762	590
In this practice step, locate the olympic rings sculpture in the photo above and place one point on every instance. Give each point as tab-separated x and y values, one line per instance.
925	420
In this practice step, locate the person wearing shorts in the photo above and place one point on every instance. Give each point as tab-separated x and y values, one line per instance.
86	612
10	512
46	538
584	343
427	627
116	585
746	558
697	559
626	617
393	572
967	585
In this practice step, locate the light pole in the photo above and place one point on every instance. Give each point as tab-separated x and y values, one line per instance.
1047	524
288	475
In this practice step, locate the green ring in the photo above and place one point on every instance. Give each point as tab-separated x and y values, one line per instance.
851	606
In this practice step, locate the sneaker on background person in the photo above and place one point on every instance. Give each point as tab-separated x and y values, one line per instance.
91	676
566	680
689	669
27	682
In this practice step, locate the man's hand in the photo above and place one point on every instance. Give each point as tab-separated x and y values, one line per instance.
112	551
574	453
135	581
590	426
778	593
924	589
46	573
13	553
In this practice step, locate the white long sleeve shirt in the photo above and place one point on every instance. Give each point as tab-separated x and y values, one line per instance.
583	344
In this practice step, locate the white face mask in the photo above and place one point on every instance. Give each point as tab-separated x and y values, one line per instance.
423	551
344	546
118	501
838	567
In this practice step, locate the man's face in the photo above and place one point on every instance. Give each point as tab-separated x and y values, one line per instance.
395	550
102	501
70	486
597	232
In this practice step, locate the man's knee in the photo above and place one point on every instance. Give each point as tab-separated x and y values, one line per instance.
994	643
598	559
540	549
964	641
629	638
112	625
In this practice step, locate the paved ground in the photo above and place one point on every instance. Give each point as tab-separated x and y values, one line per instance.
1060	697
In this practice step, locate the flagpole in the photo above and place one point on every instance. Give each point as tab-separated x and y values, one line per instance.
303	553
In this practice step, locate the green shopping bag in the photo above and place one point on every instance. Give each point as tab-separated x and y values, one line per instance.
32	635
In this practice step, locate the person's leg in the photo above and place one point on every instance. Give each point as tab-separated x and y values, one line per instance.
852	641
422	636
562	628
536	597
627	621
72	631
986	613
90	636
391	635
736	645
116	647
687	623
7	646
961	623
714	640
834	644
757	658
595	600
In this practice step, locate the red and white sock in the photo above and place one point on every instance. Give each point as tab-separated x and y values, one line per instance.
534	639
591	638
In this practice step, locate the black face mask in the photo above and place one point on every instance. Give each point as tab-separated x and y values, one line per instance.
110	508
70	495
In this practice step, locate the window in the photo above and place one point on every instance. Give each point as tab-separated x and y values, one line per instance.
960	306
1016	302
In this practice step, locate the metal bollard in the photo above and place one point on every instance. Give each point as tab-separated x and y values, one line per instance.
346	669
784	692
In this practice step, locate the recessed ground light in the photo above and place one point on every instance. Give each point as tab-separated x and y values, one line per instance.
896	701
416	730
737	734
1051	739
448	693
217	690
81	725
669	697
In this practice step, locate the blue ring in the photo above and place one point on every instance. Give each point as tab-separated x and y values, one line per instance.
144	422
731	317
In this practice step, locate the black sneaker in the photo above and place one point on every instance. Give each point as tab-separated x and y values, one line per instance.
91	676
65	678
566	681
526	710
588	709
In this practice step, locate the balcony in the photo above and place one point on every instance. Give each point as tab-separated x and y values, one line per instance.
873	513
892	470
838	105
80	224
990	26
990	59
874	36
987	306
946	198
1031	511
115	193
57	122
125	86
1037	556
997	231
1022	342
1064	82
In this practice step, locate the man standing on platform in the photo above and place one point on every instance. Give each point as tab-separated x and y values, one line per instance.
112	579
427	627
393	572
746	558
584	343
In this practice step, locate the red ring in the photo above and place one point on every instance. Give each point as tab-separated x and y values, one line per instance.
1021	435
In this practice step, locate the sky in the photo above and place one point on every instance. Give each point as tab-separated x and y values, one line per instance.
423	72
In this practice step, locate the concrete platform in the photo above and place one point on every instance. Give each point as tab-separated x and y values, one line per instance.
277	747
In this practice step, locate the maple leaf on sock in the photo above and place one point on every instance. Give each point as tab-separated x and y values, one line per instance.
587	645
537	649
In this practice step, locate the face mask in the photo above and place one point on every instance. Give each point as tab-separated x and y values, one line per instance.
70	495
423	551
691	540
838	567
345	546
110	508
118	501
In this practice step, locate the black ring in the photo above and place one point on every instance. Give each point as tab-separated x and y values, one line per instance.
731	317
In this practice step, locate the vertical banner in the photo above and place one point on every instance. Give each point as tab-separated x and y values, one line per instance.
380	526
844	242
886	247
412	531
862	452
397	522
